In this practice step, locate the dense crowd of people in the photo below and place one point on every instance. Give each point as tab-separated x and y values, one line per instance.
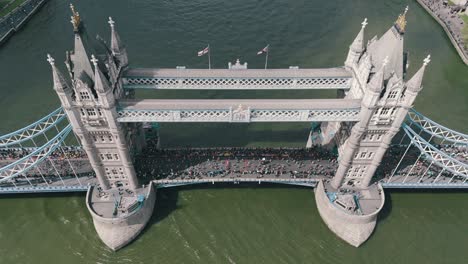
193	163
449	15
69	152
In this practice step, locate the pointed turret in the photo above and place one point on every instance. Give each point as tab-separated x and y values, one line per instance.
117	48
415	83
60	85
357	47
101	85
391	45
377	82
80	56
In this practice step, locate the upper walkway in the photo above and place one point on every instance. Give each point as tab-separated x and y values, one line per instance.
235	79
238	110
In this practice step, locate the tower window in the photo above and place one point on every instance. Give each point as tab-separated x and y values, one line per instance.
392	95
384	111
110	138
91	112
109	156
363	154
84	95
116	156
99	112
82	112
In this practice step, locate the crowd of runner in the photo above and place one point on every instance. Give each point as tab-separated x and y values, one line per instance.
69	152
190	163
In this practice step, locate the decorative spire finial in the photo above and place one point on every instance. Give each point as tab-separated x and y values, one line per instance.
400	23
94	60
385	61
364	23
111	22
75	18
427	60
50	60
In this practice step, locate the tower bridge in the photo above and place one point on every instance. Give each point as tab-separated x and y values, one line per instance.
381	141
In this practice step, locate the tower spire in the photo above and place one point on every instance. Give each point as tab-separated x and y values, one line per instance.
358	43
60	84
357	47
117	48
415	83
100	81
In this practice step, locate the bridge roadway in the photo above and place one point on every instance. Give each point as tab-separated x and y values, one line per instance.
238	79
175	167
238	110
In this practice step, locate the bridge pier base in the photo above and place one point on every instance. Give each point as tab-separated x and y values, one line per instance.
118	230
353	226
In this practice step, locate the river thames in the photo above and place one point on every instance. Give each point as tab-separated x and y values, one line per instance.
232	224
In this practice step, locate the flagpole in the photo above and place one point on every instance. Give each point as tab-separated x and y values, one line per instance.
209	57
266	56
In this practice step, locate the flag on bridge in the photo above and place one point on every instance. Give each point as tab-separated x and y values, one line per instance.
264	50
204	51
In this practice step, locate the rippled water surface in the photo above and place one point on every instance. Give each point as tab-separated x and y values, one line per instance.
242	224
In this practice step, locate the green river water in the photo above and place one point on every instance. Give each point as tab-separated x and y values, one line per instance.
247	224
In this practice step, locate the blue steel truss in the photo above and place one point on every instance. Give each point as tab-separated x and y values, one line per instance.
37	128
436	129
28	162
435	155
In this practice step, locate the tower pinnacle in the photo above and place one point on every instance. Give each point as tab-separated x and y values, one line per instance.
94	60
60	84
50	60
364	23
415	83
400	23
75	19
111	22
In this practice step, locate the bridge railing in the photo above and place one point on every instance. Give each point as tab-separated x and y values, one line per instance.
435	129
437	156
29	161
33	130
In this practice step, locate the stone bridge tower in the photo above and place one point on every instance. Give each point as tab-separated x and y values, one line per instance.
378	70
90	104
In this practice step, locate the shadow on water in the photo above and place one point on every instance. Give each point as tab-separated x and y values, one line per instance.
167	198
222	135
388	206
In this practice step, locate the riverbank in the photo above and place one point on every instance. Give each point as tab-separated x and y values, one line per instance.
13	19
445	19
